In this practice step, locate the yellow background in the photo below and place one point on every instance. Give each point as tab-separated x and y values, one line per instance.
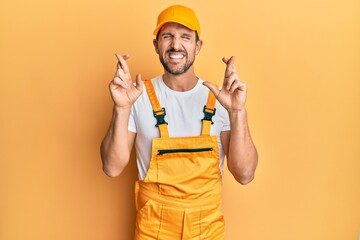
300	59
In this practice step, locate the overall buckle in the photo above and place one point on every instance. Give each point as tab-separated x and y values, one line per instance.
160	118
208	115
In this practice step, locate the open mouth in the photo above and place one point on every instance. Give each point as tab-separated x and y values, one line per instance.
176	55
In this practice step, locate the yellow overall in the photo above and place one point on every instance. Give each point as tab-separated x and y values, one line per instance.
181	194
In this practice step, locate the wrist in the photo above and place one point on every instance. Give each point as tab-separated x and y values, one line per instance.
122	110
237	111
237	116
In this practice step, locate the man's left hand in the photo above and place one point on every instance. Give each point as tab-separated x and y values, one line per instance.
232	94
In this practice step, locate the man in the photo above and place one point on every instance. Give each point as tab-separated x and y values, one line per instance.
182	127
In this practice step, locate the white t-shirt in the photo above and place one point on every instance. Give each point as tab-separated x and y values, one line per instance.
184	111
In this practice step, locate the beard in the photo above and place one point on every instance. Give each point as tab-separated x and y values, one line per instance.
179	70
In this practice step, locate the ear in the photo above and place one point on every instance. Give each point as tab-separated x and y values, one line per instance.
155	42
198	46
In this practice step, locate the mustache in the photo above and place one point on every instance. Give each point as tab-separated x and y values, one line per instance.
172	50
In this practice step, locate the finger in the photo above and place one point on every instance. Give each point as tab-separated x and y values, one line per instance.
233	68
237	85
119	82
225	59
122	62
233	77
119	73
212	87
125	56
139	82
123	76
118	56
233	87
229	66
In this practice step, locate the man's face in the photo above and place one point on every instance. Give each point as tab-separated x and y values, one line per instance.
177	47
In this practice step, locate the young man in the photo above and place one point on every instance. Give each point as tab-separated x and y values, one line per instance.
182	128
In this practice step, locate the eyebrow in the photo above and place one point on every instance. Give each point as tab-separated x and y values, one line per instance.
166	33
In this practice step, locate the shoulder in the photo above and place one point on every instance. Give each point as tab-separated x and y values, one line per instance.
156	83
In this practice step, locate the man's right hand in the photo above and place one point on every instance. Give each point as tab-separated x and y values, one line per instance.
123	92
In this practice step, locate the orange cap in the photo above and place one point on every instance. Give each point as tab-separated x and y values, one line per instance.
178	14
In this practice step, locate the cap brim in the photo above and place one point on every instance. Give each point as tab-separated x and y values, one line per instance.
159	26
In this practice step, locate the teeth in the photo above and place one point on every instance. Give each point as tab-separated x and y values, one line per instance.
176	56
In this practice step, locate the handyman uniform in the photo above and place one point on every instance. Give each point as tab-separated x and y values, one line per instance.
181	194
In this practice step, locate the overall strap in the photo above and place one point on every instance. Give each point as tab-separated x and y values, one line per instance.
209	111
159	113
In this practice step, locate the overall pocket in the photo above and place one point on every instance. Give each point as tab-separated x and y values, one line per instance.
148	220
186	172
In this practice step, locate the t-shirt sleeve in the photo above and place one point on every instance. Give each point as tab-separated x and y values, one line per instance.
226	126
224	117
132	123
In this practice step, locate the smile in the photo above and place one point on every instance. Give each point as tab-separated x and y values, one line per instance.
176	55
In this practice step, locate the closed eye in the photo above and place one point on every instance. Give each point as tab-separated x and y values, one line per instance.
186	36
166	36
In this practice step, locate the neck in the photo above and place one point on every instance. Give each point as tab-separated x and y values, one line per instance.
181	83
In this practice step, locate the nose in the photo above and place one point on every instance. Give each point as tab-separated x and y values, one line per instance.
175	43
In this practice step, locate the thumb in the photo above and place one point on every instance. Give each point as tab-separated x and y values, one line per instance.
212	87
139	82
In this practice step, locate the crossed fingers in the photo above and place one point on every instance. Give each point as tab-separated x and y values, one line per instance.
232	81
122	75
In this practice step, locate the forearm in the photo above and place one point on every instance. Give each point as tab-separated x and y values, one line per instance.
242	155
116	145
